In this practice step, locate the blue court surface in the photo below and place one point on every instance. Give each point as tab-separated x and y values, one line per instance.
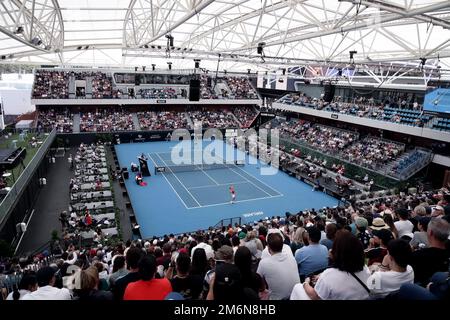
177	201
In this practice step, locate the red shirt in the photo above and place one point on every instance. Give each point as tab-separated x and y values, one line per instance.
231	189
155	289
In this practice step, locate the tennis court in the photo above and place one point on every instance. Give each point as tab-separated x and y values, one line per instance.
186	198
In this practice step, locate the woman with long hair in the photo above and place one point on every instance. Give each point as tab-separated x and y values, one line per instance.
346	278
390	222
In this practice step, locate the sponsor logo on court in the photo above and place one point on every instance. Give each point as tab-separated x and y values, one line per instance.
253	214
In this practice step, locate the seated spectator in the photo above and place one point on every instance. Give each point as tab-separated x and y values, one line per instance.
133	256
118	271
378	246
250	279
47	291
330	231
420	238
147	288
27	284
396	270
313	257
345	280
403	225
279	270
88	290
426	262
188	285
227	285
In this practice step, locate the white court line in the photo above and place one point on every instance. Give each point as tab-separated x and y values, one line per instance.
259	181
179	180
251	182
224	203
218	185
210	177
256	179
169	183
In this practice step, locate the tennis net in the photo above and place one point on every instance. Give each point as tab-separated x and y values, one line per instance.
197	167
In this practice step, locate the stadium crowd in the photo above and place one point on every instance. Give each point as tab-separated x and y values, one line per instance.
220	119
62	120
104	120
393	248
163	120
245	115
328	139
372	152
51	85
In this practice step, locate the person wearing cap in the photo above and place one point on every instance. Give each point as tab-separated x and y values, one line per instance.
362	234
378	245
46	291
279	270
437	212
223	255
435	258
147	288
403	225
396	270
420	238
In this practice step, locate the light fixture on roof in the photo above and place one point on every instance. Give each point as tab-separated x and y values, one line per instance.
197	63
260	51
352	54
423	61
36	41
19	30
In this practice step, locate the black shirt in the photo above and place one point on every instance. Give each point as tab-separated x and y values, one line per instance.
190	287
122	283
426	262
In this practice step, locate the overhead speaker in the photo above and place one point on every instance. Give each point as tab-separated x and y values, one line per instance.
328	93
137	80
194	90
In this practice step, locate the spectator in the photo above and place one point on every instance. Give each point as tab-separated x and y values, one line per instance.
188	285
201	244
27	284
119	270
313	257
420	238
250	279
88	290
227	286
330	231
147	288
279	270
133	256
46	291
396	270
427	261
378	246
404	226
345	280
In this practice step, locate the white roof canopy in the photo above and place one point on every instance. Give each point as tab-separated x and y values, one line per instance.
128	32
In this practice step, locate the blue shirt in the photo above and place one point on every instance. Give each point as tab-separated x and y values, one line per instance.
311	258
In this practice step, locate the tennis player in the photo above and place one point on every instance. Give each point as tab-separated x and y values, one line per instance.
233	194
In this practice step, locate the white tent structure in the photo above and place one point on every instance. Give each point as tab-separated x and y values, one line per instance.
128	33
